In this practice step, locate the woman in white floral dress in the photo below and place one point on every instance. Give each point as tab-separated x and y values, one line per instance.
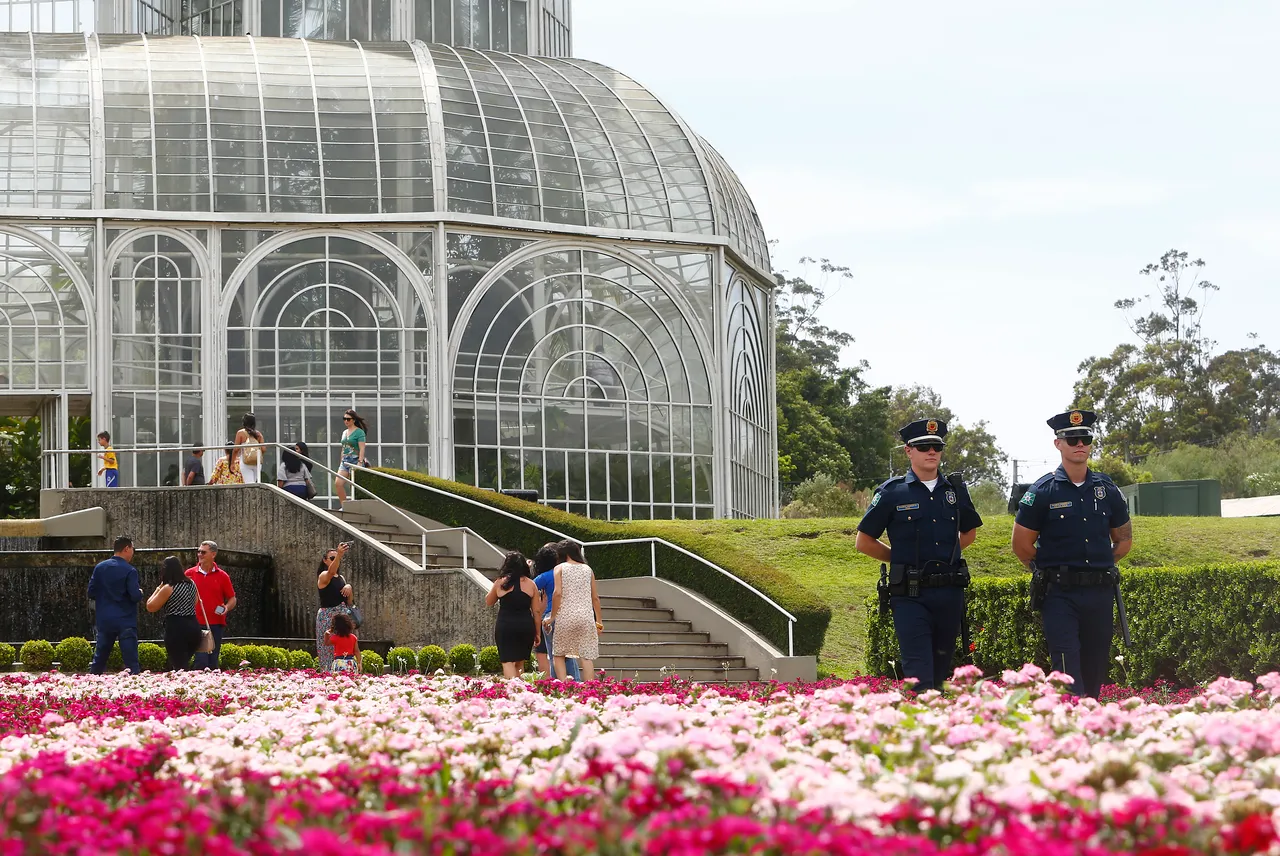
575	612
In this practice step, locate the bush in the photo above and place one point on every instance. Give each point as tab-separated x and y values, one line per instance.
36	655
371	663
400	660
490	664
230	655
8	656
257	656
299	659
821	496
1189	625
621	560
277	658
74	654
462	659
432	658
115	660
152	657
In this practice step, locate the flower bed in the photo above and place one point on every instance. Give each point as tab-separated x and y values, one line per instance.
267	763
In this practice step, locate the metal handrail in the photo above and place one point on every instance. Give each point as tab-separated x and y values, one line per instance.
653	542
467	532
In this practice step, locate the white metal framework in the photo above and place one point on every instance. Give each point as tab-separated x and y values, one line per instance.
526	272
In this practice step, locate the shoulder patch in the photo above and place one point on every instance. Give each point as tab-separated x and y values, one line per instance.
875	500
1028	498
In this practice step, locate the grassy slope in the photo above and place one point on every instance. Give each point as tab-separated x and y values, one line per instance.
820	554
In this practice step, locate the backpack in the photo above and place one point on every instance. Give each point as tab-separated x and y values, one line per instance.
251	455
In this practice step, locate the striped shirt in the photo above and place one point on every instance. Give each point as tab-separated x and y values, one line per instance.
182	601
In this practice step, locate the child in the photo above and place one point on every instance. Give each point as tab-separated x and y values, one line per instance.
110	469
346	647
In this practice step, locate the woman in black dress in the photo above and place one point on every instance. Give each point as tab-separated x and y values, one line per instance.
519	608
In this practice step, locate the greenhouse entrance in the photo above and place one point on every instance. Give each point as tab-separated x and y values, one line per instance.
54	413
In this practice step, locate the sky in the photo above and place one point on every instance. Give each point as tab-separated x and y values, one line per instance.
994	174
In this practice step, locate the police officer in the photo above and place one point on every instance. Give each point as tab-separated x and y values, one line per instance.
930	519
1074	524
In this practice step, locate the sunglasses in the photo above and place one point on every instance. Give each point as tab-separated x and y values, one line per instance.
929	447
347	418
1086	440
201	552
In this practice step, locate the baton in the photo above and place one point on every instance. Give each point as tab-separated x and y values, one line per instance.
1124	619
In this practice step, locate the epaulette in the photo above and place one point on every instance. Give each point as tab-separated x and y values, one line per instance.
1043	480
893	480
1102	477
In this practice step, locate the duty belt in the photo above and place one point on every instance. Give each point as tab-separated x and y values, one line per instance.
1065	576
957	575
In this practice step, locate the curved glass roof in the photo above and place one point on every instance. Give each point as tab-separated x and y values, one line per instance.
298	127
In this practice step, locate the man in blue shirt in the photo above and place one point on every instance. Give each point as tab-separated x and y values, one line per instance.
116	593
930	519
545	563
1074	525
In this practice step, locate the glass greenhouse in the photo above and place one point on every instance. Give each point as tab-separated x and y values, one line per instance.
523	269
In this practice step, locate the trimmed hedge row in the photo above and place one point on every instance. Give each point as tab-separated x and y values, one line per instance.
1188	625
621	560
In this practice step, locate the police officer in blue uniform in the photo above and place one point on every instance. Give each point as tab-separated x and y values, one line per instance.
1074	525
930	519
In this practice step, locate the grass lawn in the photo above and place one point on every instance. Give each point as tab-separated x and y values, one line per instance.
820	554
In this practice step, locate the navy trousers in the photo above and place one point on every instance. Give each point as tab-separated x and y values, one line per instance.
927	627
1078	625
108	635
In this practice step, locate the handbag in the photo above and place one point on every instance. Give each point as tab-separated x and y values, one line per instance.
356	617
206	635
311	489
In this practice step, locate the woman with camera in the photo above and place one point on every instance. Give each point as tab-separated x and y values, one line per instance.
335	597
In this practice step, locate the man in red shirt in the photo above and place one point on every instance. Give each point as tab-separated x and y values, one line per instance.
215	594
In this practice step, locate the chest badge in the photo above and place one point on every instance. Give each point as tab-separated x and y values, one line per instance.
911	506
1100	492
951	497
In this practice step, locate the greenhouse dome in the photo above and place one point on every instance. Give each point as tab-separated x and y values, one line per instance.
525	271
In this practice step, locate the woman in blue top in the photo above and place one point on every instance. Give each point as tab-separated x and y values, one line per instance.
353	442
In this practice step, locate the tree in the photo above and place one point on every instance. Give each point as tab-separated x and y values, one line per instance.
972	450
1168	388
830	420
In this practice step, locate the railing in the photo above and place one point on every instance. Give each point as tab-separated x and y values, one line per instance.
468	534
653	543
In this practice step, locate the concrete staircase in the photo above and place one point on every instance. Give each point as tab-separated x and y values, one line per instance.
409	544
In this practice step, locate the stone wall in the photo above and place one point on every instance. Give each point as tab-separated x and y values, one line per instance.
44	594
399	603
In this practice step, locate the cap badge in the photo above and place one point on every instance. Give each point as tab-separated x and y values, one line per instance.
1076	417
931	426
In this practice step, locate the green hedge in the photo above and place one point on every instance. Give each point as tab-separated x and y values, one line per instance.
1188	625
621	560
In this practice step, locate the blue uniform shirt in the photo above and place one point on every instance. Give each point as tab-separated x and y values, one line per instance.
921	523
115	590
546	583
1074	523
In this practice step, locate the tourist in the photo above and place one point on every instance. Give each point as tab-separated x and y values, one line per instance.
176	594
215	598
293	474
353	443
110	469
227	470
342	641
193	471
544	565
575	611
518	627
335	594
116	593
249	441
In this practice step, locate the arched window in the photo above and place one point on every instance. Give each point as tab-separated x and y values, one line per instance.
44	332
323	324
577	375
751	447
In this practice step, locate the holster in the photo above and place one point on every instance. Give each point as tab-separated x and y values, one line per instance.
897	580
1039	587
882	589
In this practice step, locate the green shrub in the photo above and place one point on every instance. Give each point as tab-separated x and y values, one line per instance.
821	496
152	657
400	660
230	655
462	659
432	658
277	658
8	656
74	654
257	656
36	655
622	560
1188	625
490	664
371	663
299	659
115	660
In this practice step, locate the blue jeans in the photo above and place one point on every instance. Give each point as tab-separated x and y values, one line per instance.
108	635
927	627
1078	624
570	663
210	661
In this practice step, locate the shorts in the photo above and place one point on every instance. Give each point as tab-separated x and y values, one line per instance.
343	664
111	478
541	647
348	461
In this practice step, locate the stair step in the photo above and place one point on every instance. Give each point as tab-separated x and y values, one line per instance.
667	650
613	600
687	661
705	676
662	626
376	529
641	613
355	518
688	637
